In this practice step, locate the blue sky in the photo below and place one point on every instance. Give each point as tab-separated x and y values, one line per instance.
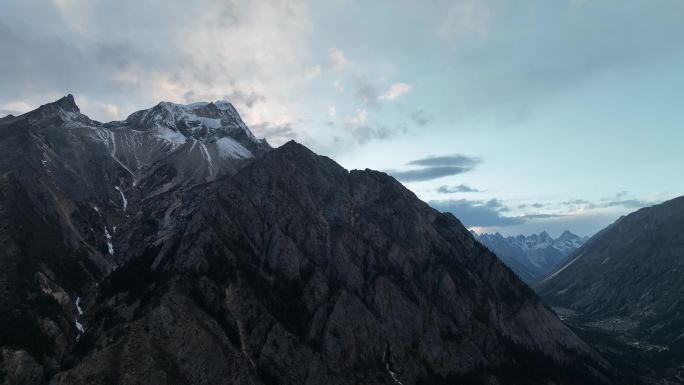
516	116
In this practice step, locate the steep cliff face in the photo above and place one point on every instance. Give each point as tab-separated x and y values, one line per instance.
284	269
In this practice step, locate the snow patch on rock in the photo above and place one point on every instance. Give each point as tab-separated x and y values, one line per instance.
231	149
123	197
110	246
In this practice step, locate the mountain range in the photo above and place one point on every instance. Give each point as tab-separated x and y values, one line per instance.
623	289
174	247
531	257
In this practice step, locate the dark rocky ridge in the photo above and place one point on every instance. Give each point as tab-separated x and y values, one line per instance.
283	269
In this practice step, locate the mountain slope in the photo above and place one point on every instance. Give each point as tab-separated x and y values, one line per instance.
64	190
284	269
627	280
531	257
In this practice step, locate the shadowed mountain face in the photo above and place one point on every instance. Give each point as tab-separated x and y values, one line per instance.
216	260
627	283
531	257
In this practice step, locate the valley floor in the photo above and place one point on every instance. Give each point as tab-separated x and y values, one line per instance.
642	362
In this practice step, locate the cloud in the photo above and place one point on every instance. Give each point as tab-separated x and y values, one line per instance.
313	72
499	45
434	167
421	118
132	55
628	203
585	223
572	205
249	99
535	205
463	18
360	117
478	213
396	90
338	60
366	91
427	173
581	216
14	108
276	134
618	200
456	189
447	160
278	57
366	133
543	216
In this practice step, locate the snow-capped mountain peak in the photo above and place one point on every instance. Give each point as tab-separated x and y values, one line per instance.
201	120
533	255
181	144
67	103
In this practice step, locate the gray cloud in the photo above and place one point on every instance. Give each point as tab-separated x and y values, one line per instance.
456	189
275	133
248	99
628	203
543	216
477	213
456	160
365	133
434	167
427	173
367	92
421	118
236	97
132	55
571	52
535	205
618	200
491	213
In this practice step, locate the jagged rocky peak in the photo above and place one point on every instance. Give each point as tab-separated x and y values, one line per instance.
200	121
531	256
65	103
62	111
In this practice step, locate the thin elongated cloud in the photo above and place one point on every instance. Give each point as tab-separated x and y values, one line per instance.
456	189
447	160
434	167
428	173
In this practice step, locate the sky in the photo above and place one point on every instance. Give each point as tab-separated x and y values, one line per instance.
517	116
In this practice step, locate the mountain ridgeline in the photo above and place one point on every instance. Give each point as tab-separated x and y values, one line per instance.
625	286
534	256
176	248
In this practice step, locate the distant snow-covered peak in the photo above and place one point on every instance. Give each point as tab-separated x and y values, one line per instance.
566	242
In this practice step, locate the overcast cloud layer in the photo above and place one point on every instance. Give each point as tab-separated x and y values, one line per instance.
552	101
